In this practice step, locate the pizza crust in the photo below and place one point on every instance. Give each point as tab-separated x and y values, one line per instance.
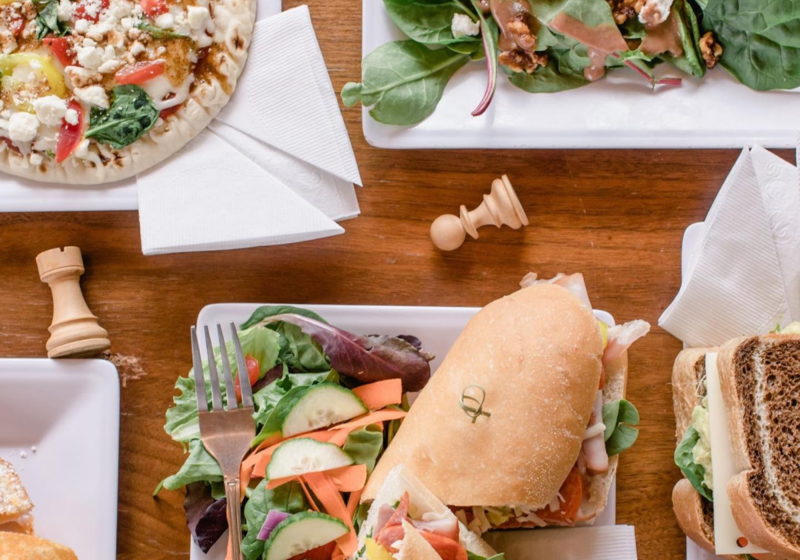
234	21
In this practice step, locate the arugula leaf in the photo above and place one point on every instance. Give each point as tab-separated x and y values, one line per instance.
403	81
430	21
199	466
158	33
266	311
286	497
685	460
47	20
132	113
761	40
365	445
182	424
620	417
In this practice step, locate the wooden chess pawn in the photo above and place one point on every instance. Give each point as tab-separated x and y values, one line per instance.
74	331
500	207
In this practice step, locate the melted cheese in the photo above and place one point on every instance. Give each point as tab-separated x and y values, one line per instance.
160	87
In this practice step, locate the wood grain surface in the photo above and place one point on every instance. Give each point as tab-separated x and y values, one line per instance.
616	216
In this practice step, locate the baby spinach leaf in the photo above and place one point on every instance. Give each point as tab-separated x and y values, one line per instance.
403	81
692	61
47	21
564	71
430	21
761	40
685	460
132	113
620	417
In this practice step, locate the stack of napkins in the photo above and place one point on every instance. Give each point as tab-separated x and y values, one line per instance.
744	275
276	166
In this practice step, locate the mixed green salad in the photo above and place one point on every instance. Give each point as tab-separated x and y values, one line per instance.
327	403
546	46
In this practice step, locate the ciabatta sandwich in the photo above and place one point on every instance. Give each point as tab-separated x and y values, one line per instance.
407	521
16	546
534	451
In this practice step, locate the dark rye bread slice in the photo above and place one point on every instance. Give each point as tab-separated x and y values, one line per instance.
760	378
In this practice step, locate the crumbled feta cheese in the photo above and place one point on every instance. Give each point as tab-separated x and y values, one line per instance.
137	48
137	10
127	22
81	26
65	10
50	109
197	16
120	8
463	25
165	21
89	57
655	12
7	41
5	113
71	116
92	8
98	30
24	73
95	95
36	159
22	127
81	77
35	64
109	66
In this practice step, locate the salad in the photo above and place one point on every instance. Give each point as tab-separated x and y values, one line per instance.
327	403
546	46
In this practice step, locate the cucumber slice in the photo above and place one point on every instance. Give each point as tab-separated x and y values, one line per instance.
306	455
302	532
320	406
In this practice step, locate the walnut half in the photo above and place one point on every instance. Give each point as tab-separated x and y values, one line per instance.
710	49
519	60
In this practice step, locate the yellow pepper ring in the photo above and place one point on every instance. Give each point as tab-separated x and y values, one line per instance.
54	78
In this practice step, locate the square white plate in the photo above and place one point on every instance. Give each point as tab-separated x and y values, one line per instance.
22	195
618	112
69	411
436	327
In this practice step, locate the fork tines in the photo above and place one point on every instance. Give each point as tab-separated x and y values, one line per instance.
230	388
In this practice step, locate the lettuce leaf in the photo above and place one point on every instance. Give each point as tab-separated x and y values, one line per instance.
199	465
685	461
205	515
620	417
365	445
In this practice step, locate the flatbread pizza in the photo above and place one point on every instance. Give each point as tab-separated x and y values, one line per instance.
95	91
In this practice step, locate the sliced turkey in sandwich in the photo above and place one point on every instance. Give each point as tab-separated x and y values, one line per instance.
510	431
406	521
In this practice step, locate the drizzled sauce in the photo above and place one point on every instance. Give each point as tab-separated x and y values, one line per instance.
597	68
604	38
504	12
662	38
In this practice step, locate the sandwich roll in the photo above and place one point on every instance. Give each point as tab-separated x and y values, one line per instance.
16	546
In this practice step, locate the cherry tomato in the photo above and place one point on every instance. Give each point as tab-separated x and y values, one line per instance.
16	25
324	552
154	7
572	493
140	72
171	111
59	46
253	371
71	134
92	14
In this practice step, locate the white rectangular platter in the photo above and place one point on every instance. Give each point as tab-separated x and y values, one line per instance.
618	112
59	427
22	195
436	327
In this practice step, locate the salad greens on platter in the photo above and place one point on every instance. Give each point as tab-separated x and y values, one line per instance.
547	46
327	403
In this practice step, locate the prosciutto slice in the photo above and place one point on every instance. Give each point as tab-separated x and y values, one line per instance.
594	447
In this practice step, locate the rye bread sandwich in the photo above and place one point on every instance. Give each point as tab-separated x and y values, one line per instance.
522	423
760	382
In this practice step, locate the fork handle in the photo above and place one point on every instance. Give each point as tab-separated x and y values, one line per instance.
233	496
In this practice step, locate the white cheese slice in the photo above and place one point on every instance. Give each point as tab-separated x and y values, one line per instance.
726	533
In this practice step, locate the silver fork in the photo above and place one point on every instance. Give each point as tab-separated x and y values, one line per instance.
226	434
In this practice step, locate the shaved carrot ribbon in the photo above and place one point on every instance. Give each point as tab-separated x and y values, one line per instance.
352	478
380	394
343	430
325	490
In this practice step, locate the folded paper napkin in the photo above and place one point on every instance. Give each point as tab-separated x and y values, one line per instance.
275	167
602	542
744	275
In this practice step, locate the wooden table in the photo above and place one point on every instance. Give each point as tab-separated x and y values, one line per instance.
616	216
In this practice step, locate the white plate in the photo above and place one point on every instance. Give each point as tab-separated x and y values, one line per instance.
618	112
436	327
22	195
69	411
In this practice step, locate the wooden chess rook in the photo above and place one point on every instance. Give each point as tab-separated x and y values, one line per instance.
500	207
74	331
